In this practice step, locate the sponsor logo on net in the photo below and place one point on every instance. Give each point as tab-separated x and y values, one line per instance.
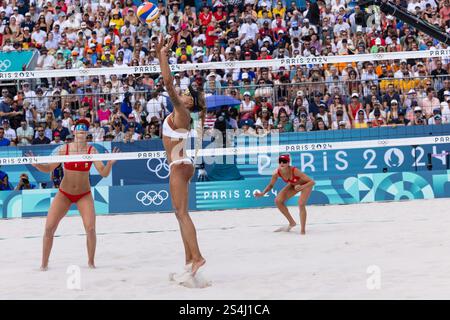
152	197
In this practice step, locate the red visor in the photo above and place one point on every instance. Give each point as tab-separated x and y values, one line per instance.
285	157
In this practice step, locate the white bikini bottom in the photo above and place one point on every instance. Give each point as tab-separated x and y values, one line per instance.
184	160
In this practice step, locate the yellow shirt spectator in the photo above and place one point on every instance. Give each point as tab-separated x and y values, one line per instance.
360	125
117	23
260	14
281	11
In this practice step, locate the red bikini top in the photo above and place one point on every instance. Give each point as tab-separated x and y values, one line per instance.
78	166
292	180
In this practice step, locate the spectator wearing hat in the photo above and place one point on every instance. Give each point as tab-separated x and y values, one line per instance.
56	139
9	133
62	131
437	113
418	117
247	106
212	85
45	60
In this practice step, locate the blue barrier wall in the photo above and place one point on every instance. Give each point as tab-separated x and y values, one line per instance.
343	175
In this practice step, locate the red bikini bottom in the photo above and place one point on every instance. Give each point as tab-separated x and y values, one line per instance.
74	198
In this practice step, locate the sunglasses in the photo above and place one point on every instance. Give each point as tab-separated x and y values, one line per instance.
81	127
283	161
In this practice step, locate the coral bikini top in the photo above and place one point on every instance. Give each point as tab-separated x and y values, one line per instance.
78	166
292	180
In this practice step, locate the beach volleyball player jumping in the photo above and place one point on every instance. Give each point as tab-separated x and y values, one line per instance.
176	129
296	181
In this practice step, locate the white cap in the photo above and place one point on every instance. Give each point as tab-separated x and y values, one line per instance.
354	94
245	75
246	93
117	101
394	101
417	109
300	93
212	74
359	29
267	39
412	91
403	60
446	93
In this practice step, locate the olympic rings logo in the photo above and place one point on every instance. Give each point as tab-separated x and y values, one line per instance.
5	64
161	165
152	197
87	157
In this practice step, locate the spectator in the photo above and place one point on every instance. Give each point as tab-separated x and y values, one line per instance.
9	133
24	183
4	181
62	131
41	138
24	134
56	138
3	141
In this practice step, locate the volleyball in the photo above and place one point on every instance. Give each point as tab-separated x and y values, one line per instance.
148	13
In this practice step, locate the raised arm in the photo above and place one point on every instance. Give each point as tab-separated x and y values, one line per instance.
269	186
46	167
162	51
104	170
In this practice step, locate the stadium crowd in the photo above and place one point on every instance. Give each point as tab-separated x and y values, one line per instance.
107	33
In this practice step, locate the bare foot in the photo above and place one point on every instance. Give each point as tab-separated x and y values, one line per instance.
43	268
302	232
91	265
285	228
197	265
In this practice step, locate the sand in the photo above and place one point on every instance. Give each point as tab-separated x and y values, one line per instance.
396	250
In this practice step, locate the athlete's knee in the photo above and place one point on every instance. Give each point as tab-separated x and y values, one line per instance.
279	201
181	214
302	206
90	230
49	231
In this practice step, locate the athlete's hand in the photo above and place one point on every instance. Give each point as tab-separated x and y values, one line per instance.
258	194
115	150
31	154
163	48
299	187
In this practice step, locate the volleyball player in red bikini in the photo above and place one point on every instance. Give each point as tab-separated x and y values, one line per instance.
297	182
75	188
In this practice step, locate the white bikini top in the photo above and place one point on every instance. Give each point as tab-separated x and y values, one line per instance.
171	133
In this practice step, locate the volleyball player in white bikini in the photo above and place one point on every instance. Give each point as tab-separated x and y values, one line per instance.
297	182
175	133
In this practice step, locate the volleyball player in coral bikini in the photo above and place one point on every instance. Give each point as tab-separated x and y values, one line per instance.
75	188
297	182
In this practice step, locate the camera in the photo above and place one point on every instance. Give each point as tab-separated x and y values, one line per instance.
303	115
25	181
